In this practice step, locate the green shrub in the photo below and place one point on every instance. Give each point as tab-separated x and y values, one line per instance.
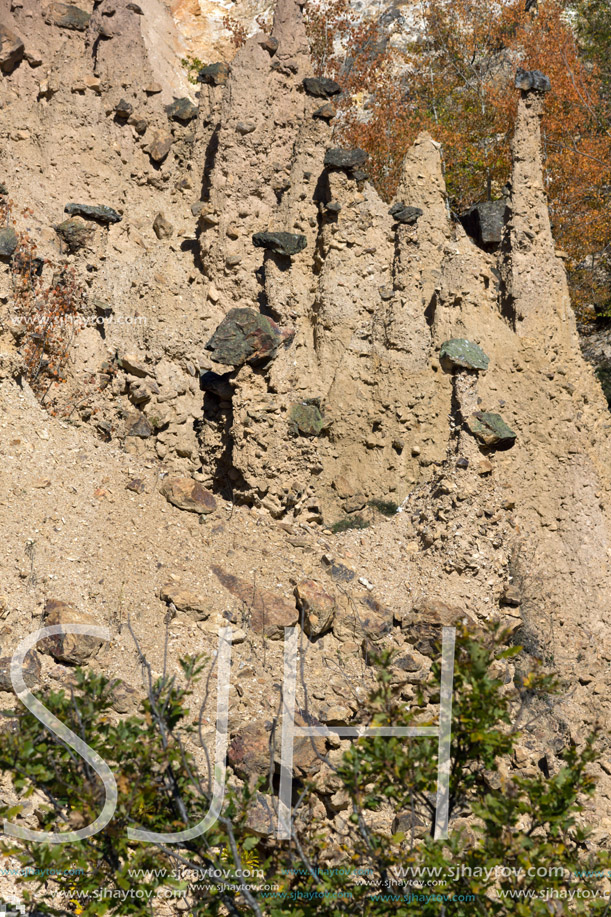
350	522
520	822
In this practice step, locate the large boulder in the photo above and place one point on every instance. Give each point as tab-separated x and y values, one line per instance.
74	649
246	336
11	49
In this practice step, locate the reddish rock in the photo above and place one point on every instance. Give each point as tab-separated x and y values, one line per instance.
250	752
187	494
269	613
317	607
428	615
159	147
306	749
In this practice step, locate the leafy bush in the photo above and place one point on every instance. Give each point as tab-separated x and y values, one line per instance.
350	522
527	824
45	313
385	507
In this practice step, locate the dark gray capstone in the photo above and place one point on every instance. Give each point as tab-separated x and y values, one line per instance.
405	214
491	429
182	110
485	222
123	108
3	188
270	44
246	336
99	212
8	242
321	87
214	74
345	159
459	353
532	81
282	243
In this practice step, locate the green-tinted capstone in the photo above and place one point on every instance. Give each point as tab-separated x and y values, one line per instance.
182	110
74	233
490	429
307	419
463	354
67	16
246	336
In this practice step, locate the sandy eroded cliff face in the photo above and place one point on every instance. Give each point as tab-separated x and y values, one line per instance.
273	334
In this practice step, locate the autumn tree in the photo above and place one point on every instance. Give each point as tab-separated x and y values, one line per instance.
46	306
448	67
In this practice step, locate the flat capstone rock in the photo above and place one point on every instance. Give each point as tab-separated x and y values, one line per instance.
214	74
246	336
321	87
490	429
458	353
532	81
306	419
405	214
182	110
282	243
345	159
99	212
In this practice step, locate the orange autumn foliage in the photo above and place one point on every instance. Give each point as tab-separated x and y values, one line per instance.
453	76
45	310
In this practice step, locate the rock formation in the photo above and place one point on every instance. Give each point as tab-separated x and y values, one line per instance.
274	333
